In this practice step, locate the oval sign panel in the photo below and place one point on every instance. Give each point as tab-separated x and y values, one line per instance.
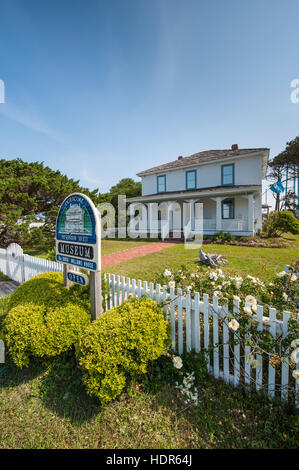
78	233
78	278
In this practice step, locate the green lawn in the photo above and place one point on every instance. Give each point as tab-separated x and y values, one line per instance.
107	246
45	406
261	262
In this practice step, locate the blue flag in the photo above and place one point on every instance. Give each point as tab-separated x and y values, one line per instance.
277	187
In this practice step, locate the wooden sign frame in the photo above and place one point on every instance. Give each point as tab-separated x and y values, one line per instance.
78	243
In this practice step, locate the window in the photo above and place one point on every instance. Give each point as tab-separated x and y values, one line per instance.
227	174
161	184
191	179
228	209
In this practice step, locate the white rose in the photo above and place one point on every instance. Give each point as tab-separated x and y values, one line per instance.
233	325
177	362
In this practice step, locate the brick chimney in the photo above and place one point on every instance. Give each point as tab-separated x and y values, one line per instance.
235	147
180	157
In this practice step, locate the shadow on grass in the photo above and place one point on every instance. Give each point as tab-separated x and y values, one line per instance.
62	391
225	417
60	387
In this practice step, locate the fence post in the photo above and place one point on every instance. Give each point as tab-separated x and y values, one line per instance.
23	268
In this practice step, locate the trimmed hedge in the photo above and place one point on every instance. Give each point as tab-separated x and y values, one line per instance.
47	289
121	343
44	318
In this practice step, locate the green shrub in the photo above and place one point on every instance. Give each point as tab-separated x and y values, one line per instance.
120	344
225	236
279	222
44	318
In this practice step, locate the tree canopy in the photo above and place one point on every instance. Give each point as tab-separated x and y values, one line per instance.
32	191
285	166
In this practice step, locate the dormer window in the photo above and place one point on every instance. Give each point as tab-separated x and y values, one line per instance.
191	179
161	184
228	174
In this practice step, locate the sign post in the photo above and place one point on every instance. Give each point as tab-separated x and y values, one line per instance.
78	243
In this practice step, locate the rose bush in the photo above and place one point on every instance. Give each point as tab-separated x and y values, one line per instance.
236	292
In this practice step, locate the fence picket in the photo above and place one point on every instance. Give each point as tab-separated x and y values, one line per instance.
145	288
123	289
247	351
172	318
188	322
206	327
158	292
196	323
215	338
259	369
285	363
117	290
139	288
113	289
180	322
134	287
164	297
236	309
225	344
271	371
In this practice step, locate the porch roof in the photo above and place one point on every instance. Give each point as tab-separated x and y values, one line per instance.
212	191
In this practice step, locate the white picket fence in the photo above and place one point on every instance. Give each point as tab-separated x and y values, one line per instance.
20	267
197	324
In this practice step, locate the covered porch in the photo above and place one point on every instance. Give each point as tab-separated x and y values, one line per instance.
181	218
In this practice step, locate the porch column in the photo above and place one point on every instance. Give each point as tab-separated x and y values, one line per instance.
218	214
250	213
131	228
170	217
192	214
149	219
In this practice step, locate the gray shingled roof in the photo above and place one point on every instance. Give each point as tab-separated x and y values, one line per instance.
205	156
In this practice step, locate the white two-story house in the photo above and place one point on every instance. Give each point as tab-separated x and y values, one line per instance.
228	183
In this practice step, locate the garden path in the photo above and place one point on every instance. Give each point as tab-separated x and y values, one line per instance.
7	287
124	255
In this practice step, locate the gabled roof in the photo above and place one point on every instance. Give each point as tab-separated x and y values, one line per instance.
202	157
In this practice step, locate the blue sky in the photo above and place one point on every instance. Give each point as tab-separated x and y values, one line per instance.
103	89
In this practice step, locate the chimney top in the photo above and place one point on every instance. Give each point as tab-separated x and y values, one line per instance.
180	157
235	147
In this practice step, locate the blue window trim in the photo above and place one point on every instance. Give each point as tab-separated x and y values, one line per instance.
191	171
233	208
233	174
161	176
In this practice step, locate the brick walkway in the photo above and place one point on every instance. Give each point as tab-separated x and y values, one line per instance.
124	255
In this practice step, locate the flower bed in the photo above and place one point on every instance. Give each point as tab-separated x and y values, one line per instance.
261	243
